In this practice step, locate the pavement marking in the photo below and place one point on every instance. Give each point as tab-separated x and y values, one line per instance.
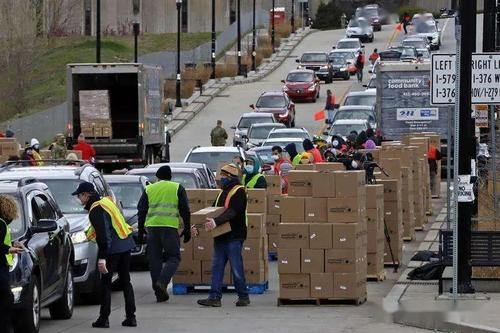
391	39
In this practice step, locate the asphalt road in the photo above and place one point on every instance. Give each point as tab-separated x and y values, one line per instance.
181	314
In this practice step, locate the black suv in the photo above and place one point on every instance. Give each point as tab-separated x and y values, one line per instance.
42	275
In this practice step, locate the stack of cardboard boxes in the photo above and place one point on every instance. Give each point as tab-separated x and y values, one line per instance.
196	256
375	226
95	117
322	245
393	218
8	147
273	217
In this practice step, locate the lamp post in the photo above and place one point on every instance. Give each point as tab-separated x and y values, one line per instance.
254	65
98	32
272	27
178	102
238	14
214	40
293	17
137	29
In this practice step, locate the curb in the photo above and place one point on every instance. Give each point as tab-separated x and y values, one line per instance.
470	328
212	88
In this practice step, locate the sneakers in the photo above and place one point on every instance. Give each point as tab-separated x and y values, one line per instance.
101	323
211	302
243	302
161	292
130	322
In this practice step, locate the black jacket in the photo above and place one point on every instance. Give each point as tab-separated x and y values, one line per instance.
235	215
183	207
4	249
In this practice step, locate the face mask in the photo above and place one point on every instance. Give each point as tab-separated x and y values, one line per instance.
354	164
225	182
36	146
249	168
276	157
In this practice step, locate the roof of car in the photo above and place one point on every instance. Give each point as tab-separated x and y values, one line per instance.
284	139
154	169
356	108
220	149
274	125
273	93
58	172
415	38
112	179
256	115
349	40
301	71
350	121
361	93
179	165
289	130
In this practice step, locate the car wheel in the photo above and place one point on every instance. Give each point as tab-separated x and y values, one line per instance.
63	308
293	123
371	40
27	319
347	77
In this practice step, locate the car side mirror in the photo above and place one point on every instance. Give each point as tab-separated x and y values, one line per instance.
362	46
336	106
44	226
283	81
252	106
334	47
233	127
325	133
244	136
370	71
297	61
365	86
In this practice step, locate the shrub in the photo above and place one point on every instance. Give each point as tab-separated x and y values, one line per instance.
283	30
327	16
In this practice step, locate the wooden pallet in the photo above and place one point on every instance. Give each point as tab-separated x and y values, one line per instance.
392	264
376	277
184	289
407	239
321	301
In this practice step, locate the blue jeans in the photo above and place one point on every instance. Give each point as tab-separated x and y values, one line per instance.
330	115
224	251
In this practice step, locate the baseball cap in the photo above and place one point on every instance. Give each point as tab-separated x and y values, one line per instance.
84	187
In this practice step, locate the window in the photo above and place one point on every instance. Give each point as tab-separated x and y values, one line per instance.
184	16
87	4
41	209
136	7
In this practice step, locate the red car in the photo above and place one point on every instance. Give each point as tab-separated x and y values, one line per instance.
302	84
279	104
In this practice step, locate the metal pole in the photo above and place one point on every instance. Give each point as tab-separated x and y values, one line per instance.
178	102
272	27
466	143
489	25
98	32
302	13
254	36
448	168
137	29
214	40
238	14
293	16
493	156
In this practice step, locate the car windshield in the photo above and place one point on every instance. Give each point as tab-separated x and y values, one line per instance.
277	101
266	155
300	77
407	52
348	45
390	55
338	60
300	135
17	225
419	44
353	24
314	57
371	12
345	129
363	115
425	53
259	132
425	28
282	144
212	159
249	121
368	100
129	194
61	190
187	180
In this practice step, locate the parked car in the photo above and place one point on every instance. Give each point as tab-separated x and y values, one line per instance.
429	30
258	133
214	157
300	133
128	190
317	62
42	276
367	97
246	120
362	112
374	15
62	181
187	177
349	59
417	42
400	53
209	179
344	127
360	28
302	84
353	44
283	142
279	104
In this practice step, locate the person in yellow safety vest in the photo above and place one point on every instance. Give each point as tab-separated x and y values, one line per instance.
229	245
160	209
8	212
291	149
114	240
252	178
35	145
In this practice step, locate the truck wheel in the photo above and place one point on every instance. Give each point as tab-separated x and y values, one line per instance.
27	319
63	308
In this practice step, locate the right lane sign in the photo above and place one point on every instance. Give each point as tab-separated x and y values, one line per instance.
485	78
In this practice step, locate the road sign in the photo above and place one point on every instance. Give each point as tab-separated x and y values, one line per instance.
485	79
481	115
465	192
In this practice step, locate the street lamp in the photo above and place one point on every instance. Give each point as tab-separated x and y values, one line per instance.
272	27
98	32
178	102
238	9
137	29
254	65
214	41
293	17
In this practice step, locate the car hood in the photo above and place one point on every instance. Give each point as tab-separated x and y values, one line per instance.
256	142
356	30
77	222
271	110
241	131
428	34
313	64
299	85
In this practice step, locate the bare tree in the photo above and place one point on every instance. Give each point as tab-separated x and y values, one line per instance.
58	16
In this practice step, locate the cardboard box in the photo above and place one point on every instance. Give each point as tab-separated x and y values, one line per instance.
350	184
255	271
256	201
199	218
392	189
312	261
203	248
323	185
375	263
330	167
374	195
300	182
187	250
349	286
292	209
211	196
206	273
320	236
9	149
346	210
345	261
305	167
196	199
315	210
252	249
393	211
321	285
273	184
392	166
273	243
294	236
274	204
256	225
288	260
189	271
294	286
348	235
272	224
